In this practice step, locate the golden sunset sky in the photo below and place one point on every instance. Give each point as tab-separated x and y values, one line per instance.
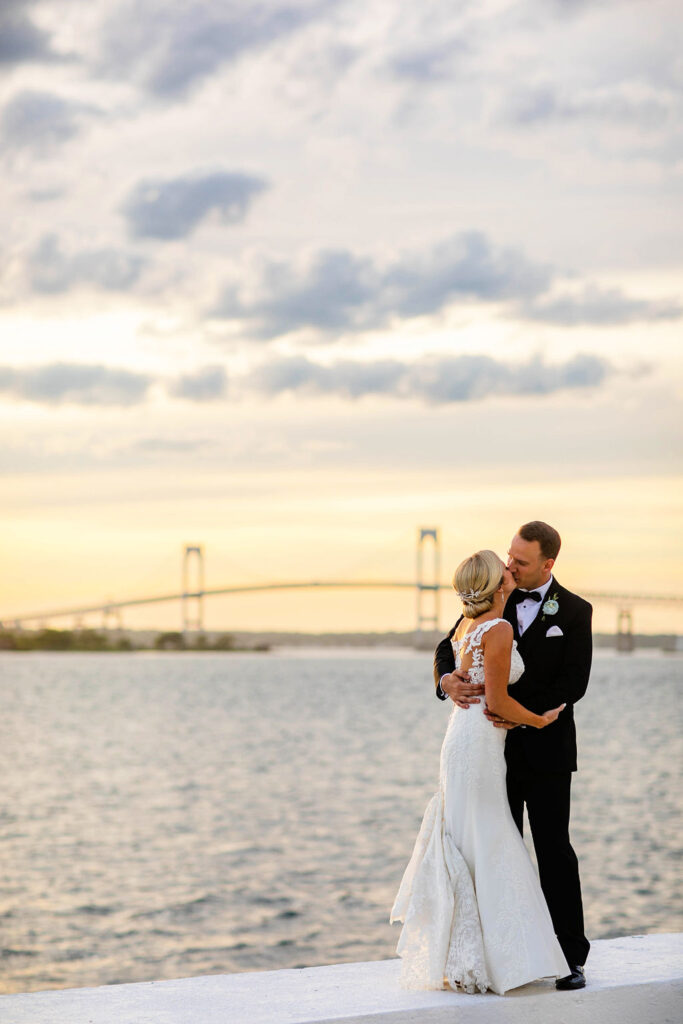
292	282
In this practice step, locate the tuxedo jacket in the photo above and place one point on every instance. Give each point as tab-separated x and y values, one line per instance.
557	651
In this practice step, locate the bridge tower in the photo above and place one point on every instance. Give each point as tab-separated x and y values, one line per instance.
427	592
192	600
625	641
112	619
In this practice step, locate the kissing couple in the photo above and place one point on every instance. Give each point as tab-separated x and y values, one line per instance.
475	916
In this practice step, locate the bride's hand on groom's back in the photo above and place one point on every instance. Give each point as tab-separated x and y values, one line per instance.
552	716
500	723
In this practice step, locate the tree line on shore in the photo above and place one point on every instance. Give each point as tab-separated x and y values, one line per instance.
96	640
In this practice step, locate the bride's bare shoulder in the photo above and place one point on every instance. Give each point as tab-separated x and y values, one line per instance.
500	634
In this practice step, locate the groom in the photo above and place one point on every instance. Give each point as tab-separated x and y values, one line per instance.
552	628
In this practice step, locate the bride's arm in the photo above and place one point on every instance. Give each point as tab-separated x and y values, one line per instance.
497	644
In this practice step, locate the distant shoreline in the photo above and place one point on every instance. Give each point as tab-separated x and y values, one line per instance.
240	641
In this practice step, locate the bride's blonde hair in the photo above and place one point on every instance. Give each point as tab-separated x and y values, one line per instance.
476	581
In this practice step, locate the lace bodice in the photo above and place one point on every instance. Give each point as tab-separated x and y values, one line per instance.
471	643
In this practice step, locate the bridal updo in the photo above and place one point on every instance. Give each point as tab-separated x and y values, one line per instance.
476	580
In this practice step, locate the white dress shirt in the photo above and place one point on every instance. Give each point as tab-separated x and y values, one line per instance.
528	610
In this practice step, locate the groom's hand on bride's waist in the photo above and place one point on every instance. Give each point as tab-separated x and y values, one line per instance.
458	687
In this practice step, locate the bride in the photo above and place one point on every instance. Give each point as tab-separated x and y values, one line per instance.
470	899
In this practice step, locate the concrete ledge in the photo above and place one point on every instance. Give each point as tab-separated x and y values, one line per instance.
634	980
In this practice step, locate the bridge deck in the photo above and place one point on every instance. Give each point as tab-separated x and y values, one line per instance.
107	607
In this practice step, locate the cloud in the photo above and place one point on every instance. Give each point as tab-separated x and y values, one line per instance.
207	384
71	383
169	45
172	446
431	63
40	121
602	307
46	195
434	379
466	266
20	39
52	271
571	7
621	105
174	207
297	374
337	290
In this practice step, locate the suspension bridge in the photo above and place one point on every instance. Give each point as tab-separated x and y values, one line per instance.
426	586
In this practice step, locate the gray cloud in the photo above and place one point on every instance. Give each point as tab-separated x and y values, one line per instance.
601	307
40	121
616	105
347	378
576	6
435	63
52	271
208	384
434	379
170	45
173	208
20	39
334	291
340	291
466	266
71	383
46	195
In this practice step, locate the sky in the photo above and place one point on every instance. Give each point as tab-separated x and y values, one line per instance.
292	279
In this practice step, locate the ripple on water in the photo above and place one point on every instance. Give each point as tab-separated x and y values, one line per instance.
95	910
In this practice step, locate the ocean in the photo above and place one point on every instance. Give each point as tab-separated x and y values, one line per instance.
166	815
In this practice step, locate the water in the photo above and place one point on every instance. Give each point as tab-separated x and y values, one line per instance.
164	815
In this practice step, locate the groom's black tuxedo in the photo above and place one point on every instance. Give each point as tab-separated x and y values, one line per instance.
540	761
556	671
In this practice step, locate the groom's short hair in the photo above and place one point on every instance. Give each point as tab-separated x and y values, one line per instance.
547	536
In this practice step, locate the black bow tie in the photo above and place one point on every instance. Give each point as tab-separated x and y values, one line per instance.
525	595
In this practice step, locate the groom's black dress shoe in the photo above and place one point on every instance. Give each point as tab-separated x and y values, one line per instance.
577	979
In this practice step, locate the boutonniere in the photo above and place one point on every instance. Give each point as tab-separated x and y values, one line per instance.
551	607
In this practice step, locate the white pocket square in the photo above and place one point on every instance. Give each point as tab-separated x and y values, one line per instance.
554	631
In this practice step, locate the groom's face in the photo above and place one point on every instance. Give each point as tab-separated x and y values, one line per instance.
526	563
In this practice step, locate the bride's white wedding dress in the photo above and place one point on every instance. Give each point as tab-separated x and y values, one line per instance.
473	910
